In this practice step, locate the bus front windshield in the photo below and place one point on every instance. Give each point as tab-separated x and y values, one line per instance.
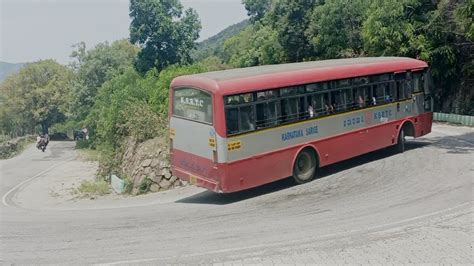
192	104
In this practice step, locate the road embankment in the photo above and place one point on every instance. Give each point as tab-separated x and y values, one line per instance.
14	146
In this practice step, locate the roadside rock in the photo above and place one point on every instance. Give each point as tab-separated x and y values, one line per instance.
148	160
165	184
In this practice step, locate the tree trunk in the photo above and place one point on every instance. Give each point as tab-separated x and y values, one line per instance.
45	127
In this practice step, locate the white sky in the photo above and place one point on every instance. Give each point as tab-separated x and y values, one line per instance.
40	29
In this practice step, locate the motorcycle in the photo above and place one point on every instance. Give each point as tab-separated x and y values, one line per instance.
42	143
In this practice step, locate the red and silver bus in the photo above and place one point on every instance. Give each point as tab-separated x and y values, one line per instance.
237	129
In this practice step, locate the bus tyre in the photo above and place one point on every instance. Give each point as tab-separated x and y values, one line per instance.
305	166
401	141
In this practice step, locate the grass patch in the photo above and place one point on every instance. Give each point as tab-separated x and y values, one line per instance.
88	155
94	188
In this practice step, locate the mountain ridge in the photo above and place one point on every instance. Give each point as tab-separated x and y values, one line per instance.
7	69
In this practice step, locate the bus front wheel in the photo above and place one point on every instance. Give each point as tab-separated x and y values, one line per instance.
305	166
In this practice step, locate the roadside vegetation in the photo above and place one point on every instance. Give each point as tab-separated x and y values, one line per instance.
10	147
120	89
92	189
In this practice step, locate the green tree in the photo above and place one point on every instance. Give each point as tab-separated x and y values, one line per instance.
37	95
166	35
256	45
396	27
450	56
464	17
93	68
256	9
290	19
335	28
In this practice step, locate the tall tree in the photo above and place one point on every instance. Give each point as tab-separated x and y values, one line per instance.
256	45
450	55
335	28
289	18
396	27
165	34
93	68
37	95
256	9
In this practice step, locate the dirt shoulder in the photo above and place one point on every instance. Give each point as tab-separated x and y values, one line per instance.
56	189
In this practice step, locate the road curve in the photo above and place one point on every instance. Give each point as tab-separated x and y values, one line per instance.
414	207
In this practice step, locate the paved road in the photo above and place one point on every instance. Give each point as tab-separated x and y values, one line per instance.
415	207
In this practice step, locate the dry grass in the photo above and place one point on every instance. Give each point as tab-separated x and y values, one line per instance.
94	188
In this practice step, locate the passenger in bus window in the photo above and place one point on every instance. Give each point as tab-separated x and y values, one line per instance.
329	107
246	116
334	105
247	97
310	111
360	101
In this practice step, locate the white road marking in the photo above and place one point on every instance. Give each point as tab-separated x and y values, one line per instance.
293	241
4	198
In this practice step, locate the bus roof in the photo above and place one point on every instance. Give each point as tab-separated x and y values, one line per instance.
249	79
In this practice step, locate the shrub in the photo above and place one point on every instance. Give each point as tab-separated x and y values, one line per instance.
144	186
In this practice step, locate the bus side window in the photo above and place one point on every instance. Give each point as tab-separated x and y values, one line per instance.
303	112
408	89
318	104
266	114
336	101
363	97
382	93
408	86
328	108
232	120
246	118
400	80
288	109
417	81
399	86
348	99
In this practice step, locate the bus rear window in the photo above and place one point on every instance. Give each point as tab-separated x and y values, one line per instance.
192	104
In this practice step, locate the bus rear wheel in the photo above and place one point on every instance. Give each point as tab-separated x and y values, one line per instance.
401	141
305	166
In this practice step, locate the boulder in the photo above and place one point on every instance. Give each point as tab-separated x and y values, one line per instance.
167	173
146	162
173	178
155	187
165	184
154	163
157	178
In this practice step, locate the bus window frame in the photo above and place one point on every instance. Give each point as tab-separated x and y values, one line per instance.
321	90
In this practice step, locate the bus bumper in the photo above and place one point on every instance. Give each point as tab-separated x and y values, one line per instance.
197	180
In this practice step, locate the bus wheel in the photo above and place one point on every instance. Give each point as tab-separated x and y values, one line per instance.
305	166
401	141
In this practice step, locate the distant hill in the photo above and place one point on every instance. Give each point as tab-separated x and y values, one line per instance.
7	69
212	45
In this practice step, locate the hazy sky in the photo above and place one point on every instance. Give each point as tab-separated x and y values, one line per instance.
42	29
